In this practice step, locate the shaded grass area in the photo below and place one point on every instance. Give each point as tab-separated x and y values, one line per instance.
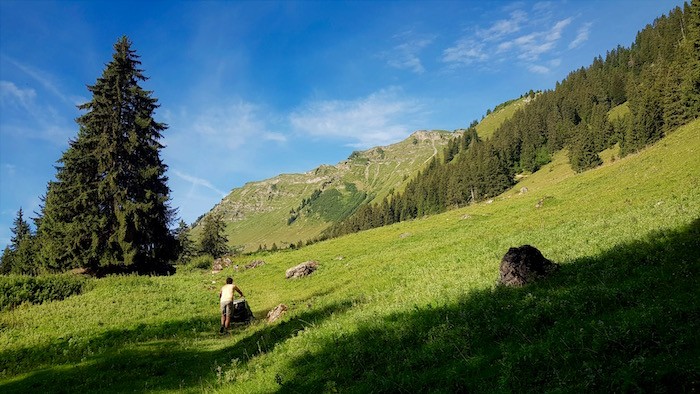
145	355
625	320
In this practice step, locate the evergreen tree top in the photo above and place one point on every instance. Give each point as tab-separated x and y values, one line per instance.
20	229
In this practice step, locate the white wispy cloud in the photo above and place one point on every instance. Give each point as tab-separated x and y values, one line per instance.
195	181
527	37
382	117
233	125
581	36
539	69
531	46
26	117
503	27
46	81
406	55
9	169
465	51
10	94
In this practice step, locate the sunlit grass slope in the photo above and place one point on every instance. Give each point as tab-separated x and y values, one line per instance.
413	307
492	121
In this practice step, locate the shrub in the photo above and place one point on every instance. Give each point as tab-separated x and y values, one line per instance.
17	289
204	261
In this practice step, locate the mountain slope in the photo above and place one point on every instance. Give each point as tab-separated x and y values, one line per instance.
293	208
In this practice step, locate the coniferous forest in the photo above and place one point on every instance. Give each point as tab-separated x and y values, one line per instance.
657	78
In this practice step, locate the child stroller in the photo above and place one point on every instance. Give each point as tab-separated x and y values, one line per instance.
241	313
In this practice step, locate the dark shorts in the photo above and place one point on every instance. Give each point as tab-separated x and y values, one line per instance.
226	308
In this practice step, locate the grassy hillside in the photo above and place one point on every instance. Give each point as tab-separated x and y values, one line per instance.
413	307
490	123
258	213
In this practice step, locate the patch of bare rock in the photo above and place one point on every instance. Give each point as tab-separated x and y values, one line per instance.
219	264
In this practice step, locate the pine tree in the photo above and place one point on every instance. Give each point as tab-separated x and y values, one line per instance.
186	246
690	86
109	205
213	241
18	257
583	154
20	230
6	260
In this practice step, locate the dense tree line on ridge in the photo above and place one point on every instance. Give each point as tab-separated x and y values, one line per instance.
658	77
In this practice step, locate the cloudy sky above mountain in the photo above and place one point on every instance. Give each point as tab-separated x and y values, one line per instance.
252	89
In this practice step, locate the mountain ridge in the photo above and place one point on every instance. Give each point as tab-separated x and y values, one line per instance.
292	208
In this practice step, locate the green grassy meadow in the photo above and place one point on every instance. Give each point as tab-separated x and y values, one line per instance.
413	307
488	125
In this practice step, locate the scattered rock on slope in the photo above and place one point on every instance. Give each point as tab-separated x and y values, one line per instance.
254	264
276	313
219	264
303	269
523	265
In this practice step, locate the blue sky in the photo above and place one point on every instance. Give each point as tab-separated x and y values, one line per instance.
252	89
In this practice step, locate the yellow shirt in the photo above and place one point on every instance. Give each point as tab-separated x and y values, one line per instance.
227	293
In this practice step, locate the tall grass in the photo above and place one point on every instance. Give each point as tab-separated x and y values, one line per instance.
413	307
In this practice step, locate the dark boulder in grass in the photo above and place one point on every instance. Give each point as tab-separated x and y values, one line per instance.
301	270
523	265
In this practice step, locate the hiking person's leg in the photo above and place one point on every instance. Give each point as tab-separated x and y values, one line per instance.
229	311
223	318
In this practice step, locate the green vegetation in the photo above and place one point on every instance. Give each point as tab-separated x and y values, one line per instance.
213	241
608	188
17	289
333	206
494	119
18	257
413	306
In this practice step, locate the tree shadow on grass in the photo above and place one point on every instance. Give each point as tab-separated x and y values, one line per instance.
144	358
625	320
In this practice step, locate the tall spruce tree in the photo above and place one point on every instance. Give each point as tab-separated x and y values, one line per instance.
109	206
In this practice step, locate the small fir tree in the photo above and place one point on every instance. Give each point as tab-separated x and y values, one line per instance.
213	241
18	257
186	246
